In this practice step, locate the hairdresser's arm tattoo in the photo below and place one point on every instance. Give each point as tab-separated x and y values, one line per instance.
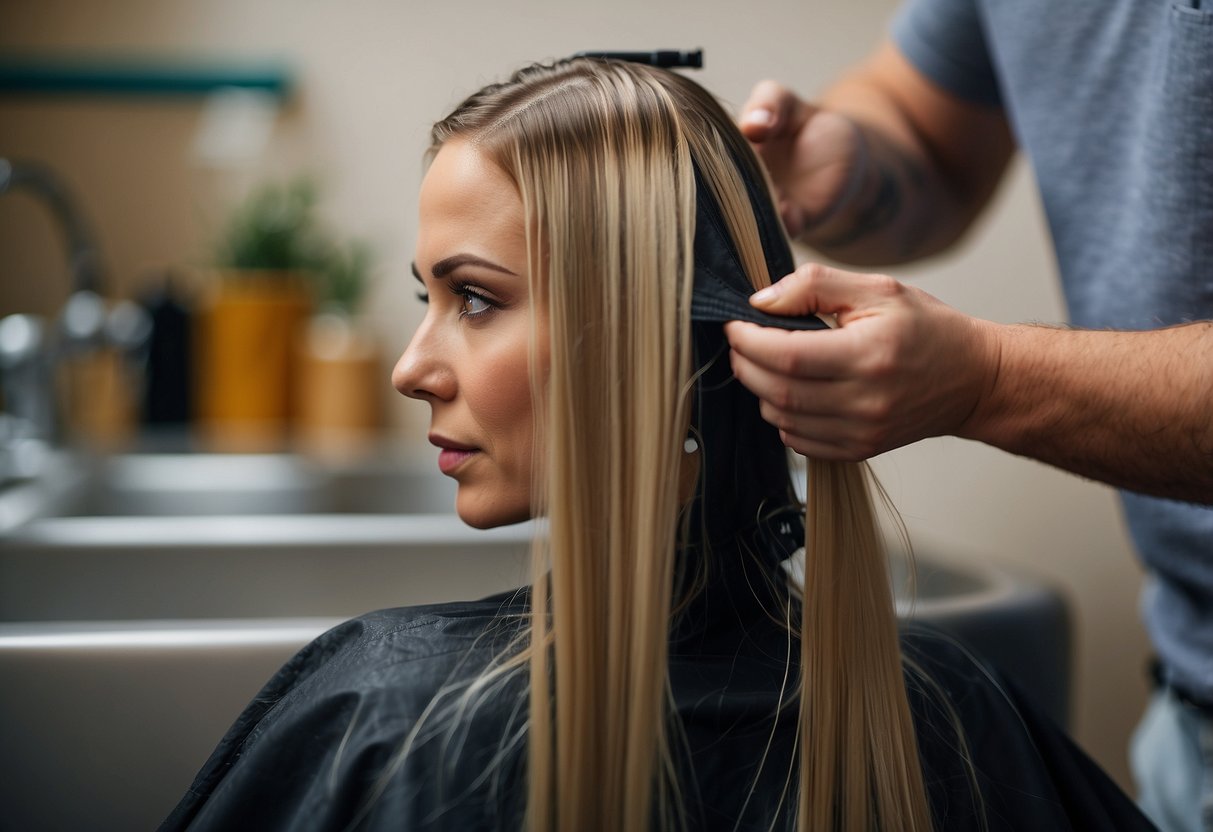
882	209
933	161
888	215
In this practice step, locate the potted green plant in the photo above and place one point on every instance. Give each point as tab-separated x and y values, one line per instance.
273	261
274	230
341	380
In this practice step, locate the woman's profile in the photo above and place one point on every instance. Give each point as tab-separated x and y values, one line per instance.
584	229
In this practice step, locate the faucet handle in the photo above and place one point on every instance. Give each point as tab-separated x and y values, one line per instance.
82	321
21	339
26	380
128	326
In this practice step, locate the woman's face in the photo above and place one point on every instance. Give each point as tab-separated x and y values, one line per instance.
469	358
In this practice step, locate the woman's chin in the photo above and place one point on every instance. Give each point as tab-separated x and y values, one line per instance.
477	521
482	514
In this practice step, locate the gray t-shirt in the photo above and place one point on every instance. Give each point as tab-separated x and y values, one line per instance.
1112	103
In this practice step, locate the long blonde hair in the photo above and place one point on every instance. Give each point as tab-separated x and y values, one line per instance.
603	154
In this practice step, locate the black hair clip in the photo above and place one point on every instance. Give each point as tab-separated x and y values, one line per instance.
666	58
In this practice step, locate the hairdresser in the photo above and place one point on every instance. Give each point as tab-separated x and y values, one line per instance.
1112	104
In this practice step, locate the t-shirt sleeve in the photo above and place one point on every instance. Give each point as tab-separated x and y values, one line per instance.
946	41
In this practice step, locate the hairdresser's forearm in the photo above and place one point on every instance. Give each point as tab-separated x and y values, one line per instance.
1133	409
929	165
900	212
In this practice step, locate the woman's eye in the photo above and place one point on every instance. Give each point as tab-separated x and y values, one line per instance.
424	297
472	304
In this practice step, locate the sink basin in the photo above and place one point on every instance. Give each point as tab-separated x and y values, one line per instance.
144	599
193	485
166	536
270	566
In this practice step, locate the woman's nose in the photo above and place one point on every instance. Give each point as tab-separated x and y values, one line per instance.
423	371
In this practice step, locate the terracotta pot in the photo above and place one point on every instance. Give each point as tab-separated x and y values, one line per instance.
246	358
341	386
99	394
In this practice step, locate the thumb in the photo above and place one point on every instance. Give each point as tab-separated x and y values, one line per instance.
817	289
772	111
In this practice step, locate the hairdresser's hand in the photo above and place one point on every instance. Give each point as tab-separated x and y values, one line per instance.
811	154
901	366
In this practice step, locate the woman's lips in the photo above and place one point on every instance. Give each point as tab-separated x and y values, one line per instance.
451	454
451	458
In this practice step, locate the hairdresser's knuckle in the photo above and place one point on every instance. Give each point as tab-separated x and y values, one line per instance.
809	274
774	415
885	287
806	446
881	414
883	363
785	396
792	424
783	363
768	412
872	413
883	357
794	442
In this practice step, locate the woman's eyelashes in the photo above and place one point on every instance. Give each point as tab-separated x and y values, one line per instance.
473	302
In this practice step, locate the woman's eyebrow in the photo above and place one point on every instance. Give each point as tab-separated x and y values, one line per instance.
444	267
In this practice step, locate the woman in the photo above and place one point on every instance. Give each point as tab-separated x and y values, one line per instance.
584	228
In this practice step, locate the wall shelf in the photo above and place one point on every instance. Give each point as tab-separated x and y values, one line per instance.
143	77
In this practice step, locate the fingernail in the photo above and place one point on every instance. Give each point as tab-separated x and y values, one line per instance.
761	117
765	295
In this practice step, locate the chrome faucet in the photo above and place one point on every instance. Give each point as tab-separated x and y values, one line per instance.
30	351
83	255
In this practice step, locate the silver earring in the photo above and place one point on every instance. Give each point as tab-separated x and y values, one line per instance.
690	446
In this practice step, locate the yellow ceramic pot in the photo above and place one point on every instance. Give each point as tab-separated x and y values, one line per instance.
341	387
247	333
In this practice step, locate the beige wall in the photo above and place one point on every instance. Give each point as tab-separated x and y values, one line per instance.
373	73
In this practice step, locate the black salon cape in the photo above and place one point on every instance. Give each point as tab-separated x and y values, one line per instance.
311	748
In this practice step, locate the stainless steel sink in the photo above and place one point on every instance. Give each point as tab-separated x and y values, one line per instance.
144	599
198	537
192	485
